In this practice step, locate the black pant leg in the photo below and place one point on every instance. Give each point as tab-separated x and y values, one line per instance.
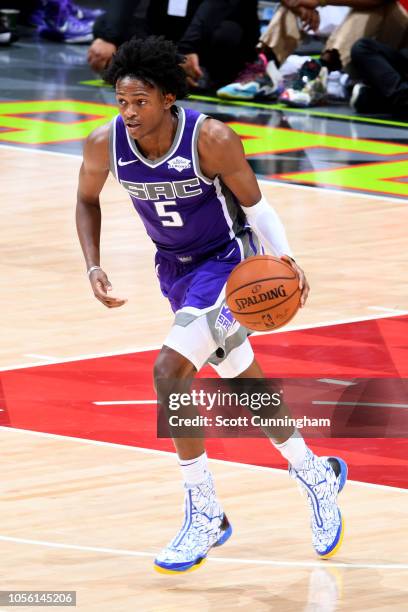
224	57
384	69
230	40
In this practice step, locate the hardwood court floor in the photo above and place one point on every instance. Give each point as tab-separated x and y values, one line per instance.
88	517
91	517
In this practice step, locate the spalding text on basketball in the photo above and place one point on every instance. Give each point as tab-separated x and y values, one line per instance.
253	300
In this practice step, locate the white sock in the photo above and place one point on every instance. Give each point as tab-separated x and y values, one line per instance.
194	471
294	450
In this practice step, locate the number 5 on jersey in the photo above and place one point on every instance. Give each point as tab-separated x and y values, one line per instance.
173	217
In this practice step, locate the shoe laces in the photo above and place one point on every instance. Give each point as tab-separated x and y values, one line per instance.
308	72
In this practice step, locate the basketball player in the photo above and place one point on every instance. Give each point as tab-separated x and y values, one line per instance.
199	200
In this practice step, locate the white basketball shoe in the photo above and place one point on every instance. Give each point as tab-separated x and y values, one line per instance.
205	525
322	479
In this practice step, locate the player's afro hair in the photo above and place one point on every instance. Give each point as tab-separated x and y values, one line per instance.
153	60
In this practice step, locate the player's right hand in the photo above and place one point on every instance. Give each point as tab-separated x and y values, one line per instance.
100	286
303	283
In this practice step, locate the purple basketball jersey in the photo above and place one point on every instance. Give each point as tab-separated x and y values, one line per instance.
185	213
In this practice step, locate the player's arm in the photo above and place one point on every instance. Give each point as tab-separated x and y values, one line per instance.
222	154
92	177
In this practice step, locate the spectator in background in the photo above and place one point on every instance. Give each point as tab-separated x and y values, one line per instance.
384	72
385	19
59	20
216	36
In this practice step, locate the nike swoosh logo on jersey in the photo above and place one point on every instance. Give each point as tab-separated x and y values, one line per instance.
125	163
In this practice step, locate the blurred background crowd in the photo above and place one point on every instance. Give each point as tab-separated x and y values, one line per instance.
301	53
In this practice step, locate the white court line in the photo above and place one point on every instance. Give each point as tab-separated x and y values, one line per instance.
125	403
236	560
281	330
40	151
35	364
261	181
20	366
153	451
395	311
369	404
327	190
335	381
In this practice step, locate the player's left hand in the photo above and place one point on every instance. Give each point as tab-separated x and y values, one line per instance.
303	284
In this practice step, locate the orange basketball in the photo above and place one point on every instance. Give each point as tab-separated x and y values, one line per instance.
263	293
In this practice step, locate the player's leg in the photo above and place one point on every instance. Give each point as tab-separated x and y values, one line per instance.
321	478
173	373
205	523
276	435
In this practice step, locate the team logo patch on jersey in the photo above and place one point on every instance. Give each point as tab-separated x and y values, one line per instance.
225	320
179	164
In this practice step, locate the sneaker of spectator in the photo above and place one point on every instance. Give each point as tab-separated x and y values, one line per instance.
258	81
365	100
361	97
85	14
309	87
7	37
37	16
339	85
8	26
383	71
60	23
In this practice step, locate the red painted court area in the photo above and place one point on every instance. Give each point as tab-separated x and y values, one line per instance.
60	398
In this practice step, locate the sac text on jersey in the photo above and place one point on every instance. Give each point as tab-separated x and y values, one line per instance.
168	189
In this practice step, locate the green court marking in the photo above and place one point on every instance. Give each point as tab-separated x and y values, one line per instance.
375	178
260	139
280	107
304	111
257	140
26	130
95	83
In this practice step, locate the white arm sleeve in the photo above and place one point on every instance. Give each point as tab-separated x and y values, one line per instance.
265	222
